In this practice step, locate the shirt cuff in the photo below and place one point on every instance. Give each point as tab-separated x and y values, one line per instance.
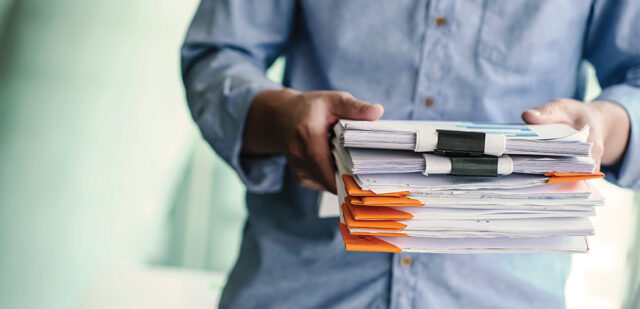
627	172
223	127
259	174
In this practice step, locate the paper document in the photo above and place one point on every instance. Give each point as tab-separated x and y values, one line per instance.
574	226
439	213
562	244
498	139
369	161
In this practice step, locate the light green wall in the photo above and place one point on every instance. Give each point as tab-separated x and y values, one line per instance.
100	162
94	137
209	210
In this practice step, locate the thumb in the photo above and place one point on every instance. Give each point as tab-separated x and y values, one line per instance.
552	112
345	106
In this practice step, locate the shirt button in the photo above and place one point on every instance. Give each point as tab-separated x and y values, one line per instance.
441	21
406	261
429	102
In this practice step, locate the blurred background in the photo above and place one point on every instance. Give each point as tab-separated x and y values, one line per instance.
109	198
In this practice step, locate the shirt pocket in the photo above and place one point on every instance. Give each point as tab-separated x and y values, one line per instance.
514	33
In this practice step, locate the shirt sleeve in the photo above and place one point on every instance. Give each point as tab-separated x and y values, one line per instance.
613	47
228	47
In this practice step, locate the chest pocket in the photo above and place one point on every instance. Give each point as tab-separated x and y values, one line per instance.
519	35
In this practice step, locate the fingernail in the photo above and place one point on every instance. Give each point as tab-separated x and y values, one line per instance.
535	113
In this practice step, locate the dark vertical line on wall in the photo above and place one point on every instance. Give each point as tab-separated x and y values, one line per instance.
8	30
8	34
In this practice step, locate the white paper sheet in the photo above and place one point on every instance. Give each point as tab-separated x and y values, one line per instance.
375	161
567	244
551	139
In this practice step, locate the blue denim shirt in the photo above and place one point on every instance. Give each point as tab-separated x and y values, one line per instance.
475	60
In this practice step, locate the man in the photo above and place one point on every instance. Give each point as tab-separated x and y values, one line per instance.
426	60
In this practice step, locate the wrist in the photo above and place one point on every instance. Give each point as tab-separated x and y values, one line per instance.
615	122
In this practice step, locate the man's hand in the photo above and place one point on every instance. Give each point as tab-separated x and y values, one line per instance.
609	123
297	125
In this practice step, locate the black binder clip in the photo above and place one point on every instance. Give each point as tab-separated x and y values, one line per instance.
474	166
460	143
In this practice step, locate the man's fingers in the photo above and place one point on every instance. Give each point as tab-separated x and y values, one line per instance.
310	184
311	158
317	172
597	149
305	179
320	159
324	167
325	171
570	112
556	111
345	106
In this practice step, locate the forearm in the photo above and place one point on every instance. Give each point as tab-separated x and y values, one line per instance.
228	47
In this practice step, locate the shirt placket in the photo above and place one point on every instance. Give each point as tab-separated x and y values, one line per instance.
435	63
403	281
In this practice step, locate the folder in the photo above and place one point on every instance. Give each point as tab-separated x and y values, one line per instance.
395	244
470	138
410	200
416	183
439	213
574	189
572	226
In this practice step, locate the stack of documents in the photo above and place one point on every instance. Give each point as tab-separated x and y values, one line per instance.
528	194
